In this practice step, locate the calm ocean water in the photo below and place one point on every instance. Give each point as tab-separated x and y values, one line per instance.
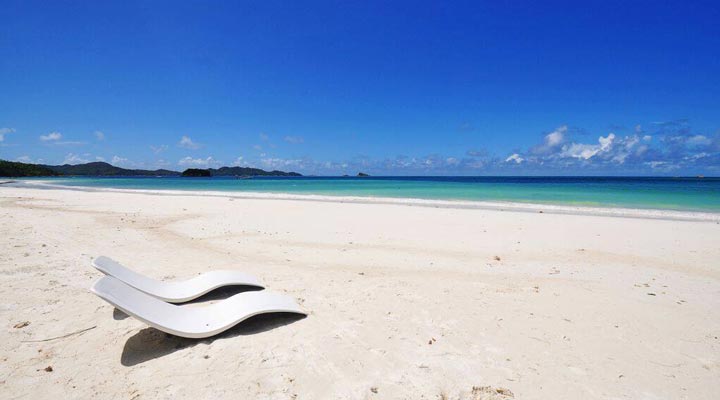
687	194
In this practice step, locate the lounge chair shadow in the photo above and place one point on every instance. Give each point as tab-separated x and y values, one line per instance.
221	293
119	315
150	343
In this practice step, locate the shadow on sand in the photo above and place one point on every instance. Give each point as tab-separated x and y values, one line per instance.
150	343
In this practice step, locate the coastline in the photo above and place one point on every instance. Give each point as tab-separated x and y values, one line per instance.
675	215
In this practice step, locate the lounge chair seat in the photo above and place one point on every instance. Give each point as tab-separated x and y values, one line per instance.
175	292
191	322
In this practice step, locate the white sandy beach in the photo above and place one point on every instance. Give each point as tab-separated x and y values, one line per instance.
404	301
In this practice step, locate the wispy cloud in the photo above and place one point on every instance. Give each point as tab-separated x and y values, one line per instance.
99	135
294	139
240	161
51	137
467	127
5	131
515	157
120	161
158	149
72	158
187	143
199	162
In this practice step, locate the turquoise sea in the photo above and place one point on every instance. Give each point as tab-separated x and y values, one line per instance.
685	194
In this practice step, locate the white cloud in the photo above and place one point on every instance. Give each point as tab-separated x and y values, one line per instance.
264	137
294	139
5	131
587	151
159	149
117	160
199	162
101	159
661	165
71	158
279	163
515	157
187	143
647	138
162	163
24	159
552	140
99	135
52	136
556	137
240	162
698	140
257	147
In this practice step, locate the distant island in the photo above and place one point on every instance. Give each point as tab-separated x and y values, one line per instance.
362	175
196	173
18	169
245	171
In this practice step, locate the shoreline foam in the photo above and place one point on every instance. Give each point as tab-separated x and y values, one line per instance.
675	215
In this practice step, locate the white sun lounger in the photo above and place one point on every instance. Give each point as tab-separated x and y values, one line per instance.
191	322
175	292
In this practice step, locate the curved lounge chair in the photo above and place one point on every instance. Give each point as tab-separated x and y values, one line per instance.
191	322
174	292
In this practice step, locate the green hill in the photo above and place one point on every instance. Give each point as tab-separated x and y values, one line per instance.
105	169
18	169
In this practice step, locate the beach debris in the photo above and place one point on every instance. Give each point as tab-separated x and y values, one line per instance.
554	271
491	393
20	325
540	212
374	389
431	341
496	258
651	294
60	337
49	368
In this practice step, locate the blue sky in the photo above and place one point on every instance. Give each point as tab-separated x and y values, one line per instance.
407	88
